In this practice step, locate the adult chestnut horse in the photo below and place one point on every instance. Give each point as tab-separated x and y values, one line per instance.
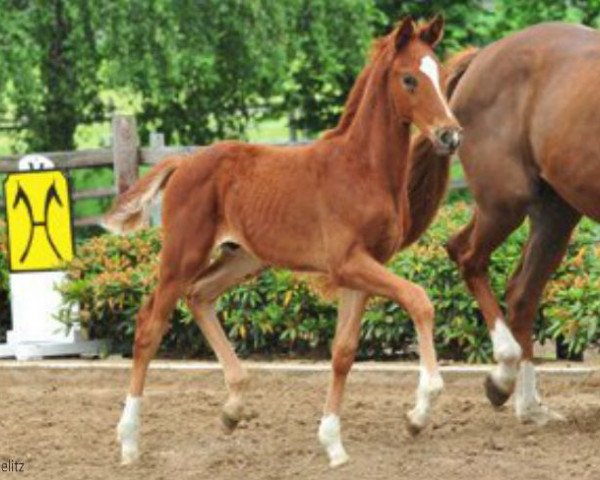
530	108
338	207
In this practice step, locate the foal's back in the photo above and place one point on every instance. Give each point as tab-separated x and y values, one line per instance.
530	106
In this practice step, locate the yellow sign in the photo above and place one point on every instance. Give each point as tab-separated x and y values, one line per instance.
38	214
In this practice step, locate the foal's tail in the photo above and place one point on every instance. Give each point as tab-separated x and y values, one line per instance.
131	209
430	172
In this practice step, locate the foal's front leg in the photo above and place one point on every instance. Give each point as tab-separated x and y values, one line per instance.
362	272
350	310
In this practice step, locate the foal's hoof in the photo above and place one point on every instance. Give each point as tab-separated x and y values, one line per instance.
339	459
231	415
127	436
129	455
413	425
229	423
495	395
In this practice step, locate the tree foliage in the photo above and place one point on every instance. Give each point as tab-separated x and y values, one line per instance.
200	70
49	69
327	50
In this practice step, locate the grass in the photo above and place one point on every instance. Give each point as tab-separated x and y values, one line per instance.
269	131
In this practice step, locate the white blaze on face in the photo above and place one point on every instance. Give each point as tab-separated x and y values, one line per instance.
430	68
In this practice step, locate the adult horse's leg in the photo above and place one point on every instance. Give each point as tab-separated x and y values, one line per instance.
350	311
471	250
552	223
361	272
231	268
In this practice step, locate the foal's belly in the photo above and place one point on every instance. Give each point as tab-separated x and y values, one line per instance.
278	222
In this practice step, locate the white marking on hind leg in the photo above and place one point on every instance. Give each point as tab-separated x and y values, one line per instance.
128	430
507	353
430	386
331	438
528	406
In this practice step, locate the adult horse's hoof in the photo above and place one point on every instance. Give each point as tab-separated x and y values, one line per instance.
538	414
495	395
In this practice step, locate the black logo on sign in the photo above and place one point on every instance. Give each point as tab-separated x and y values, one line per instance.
51	196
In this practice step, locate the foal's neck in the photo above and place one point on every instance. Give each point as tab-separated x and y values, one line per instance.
378	136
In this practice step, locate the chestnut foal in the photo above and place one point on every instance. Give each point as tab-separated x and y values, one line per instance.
337	207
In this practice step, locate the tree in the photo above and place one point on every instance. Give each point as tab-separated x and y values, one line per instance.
50	71
201	69
327	49
468	22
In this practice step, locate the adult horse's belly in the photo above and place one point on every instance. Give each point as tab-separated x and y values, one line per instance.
565	134
577	180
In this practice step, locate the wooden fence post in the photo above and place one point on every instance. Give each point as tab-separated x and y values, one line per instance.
125	148
157	141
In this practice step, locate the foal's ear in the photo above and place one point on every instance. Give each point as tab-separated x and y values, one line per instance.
405	32
433	32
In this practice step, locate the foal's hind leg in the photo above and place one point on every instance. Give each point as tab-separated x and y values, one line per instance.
350	310
471	250
151	324
552	222
230	269
181	257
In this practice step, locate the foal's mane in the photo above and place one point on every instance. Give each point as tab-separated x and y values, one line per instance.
357	93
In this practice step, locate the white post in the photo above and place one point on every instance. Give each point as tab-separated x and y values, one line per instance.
40	245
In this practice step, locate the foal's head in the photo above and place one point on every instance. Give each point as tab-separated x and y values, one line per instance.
416	83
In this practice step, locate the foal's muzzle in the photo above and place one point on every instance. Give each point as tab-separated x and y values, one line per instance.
448	139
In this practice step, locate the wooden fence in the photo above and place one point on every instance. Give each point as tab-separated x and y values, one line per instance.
124	157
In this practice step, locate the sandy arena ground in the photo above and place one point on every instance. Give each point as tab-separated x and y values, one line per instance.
61	424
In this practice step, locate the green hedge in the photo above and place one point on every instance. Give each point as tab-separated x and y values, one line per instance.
4	295
278	313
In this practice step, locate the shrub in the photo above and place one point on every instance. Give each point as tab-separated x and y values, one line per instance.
572	306
5	321
278	313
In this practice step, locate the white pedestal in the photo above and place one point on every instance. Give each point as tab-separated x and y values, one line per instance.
36	333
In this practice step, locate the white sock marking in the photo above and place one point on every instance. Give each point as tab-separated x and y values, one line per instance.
528	405
430	68
129	428
429	387
506	348
507	353
331	438
527	395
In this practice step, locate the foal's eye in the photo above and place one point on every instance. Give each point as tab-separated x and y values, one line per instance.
410	82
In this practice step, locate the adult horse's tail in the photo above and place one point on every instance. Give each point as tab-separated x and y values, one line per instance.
131	209
429	172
